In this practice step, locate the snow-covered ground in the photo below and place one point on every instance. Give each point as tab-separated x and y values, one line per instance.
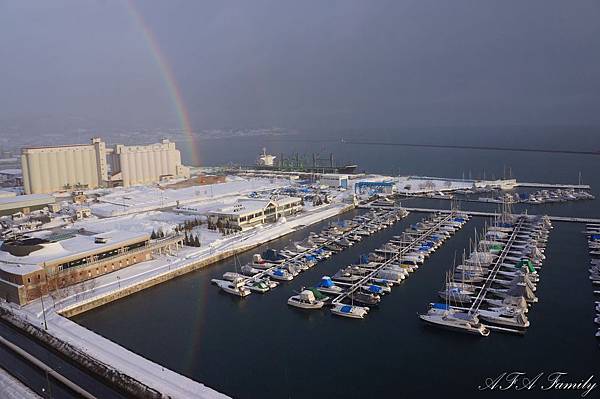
149	373
418	185
143	222
11	388
121	201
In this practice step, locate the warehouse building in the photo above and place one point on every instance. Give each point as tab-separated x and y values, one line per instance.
30	266
334	180
26	203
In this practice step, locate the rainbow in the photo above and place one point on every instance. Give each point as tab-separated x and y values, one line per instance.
170	82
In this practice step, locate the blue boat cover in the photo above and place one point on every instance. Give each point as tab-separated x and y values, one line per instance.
440	306
278	272
375	289
346	309
326	282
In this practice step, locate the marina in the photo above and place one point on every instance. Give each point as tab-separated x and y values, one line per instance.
592	233
414	245
400	305
286	264
501	273
206	200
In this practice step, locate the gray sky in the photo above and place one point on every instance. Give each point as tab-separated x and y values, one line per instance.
304	63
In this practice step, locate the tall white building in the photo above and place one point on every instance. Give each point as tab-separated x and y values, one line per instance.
49	169
60	168
145	164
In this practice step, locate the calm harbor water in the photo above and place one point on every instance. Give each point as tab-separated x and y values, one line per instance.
260	348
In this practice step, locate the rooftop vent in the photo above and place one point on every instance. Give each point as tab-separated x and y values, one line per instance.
101	240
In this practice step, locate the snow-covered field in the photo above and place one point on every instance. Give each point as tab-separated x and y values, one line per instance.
121	201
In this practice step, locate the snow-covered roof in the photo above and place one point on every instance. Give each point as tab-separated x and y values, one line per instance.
250	205
72	248
25	201
11	172
4	194
19	269
26	198
244	205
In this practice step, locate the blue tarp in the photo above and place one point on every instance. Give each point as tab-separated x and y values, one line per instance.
346	309
440	306
375	289
326	282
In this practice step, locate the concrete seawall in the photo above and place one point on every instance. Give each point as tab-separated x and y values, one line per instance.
110	376
95	302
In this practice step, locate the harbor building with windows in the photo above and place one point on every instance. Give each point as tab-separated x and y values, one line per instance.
32	266
249	212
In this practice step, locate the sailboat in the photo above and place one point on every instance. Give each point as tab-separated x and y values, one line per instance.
442	315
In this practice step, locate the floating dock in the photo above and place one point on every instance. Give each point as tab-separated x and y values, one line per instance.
265	273
492	214
419	237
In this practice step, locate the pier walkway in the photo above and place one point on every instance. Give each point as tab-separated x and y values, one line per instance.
495	268
492	214
420	237
321	246
553	185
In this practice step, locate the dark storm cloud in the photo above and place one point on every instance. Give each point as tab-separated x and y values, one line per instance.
306	63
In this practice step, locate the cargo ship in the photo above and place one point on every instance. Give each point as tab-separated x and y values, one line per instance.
315	163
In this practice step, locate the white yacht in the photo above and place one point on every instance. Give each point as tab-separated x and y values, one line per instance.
327	286
235	287
355	312
280	274
454	320
305	300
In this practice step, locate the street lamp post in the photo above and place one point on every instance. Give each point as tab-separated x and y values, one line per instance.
44	311
42	298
